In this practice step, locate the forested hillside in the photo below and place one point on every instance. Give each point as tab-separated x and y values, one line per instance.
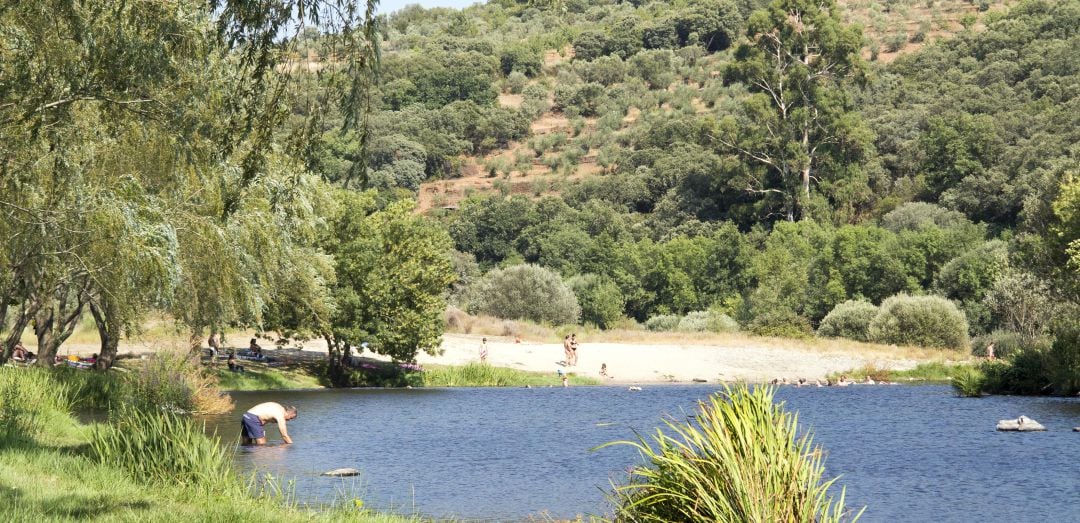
697	157
687	164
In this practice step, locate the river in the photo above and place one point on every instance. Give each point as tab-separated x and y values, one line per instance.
908	453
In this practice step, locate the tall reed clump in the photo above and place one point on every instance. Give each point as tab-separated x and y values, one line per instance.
163	448
175	381
738	459
968	382
27	398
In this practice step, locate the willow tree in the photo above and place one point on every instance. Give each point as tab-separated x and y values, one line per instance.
144	163
798	61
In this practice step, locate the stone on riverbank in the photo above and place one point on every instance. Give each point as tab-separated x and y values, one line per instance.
341	472
1021	424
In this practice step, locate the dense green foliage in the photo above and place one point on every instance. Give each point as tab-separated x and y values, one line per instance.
928	321
850	320
730	156
739	458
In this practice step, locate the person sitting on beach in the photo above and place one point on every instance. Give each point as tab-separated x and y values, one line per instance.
231	362
20	353
255	348
251	424
603	370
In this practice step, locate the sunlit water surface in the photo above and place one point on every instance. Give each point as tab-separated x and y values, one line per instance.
909	453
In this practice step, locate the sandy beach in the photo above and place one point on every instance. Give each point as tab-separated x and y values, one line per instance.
629	363
740	359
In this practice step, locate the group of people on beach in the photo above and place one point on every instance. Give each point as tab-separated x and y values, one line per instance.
842	381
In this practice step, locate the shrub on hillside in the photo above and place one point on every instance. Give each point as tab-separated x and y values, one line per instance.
927	321
525	292
850	320
515	82
913	216
967	278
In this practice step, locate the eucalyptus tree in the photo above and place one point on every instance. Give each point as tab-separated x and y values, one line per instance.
798	61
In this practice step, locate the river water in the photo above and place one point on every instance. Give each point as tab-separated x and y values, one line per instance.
908	453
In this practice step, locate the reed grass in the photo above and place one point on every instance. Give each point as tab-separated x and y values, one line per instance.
738	459
163	448
968	382
484	375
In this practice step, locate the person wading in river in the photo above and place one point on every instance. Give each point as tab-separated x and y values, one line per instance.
251	425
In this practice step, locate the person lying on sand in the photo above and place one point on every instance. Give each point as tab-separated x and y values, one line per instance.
251	424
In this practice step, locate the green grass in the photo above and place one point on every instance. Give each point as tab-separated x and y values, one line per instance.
740	458
261	377
933	372
143	466
483	375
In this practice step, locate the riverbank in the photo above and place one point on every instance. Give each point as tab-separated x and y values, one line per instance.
632	356
49	472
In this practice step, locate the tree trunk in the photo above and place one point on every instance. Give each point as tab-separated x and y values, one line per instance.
55	324
28	309
109	334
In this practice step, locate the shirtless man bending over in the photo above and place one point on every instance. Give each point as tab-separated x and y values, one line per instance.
251	425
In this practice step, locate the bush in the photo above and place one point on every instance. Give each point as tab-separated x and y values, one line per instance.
175	382
926	321
515	82
600	299
720	322
850	320
740	458
1021	302
913	216
1064	358
1006	343
697	321
525	292
968	382
663	323
781	323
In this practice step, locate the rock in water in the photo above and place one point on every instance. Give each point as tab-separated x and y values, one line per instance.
1076	429
341	472
1021	424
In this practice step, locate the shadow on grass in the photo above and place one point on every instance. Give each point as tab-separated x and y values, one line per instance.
68	506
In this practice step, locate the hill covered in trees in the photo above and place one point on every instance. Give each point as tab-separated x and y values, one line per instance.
691	164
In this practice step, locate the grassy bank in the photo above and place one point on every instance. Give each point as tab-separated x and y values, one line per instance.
483	375
929	372
140	466
261	377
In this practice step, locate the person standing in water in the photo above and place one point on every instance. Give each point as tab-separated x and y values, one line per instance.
251	424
